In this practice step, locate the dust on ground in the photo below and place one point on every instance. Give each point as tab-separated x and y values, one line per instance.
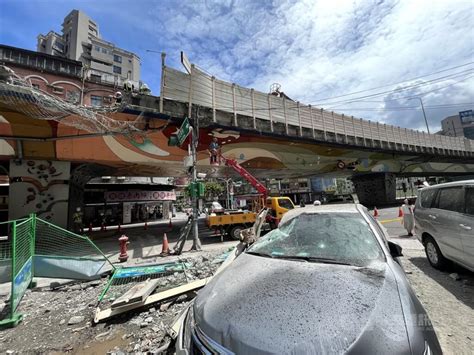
60	320
448	298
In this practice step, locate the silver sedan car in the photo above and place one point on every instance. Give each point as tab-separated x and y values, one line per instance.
327	281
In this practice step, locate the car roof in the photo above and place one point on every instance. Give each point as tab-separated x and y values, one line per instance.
453	183
331	208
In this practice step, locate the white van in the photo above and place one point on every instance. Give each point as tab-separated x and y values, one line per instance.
444	223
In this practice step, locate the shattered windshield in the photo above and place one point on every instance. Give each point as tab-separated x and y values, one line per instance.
322	237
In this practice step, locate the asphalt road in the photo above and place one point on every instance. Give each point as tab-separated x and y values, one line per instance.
448	302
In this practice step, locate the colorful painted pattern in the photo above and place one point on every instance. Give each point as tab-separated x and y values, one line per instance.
265	156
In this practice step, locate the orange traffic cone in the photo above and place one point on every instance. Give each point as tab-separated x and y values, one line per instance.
376	212
400	212
165	250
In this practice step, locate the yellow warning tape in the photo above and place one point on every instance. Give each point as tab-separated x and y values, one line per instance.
391	220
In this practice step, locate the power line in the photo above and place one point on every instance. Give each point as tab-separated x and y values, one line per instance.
433	81
393	84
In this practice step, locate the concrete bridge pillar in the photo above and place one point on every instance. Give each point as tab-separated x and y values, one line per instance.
41	187
375	189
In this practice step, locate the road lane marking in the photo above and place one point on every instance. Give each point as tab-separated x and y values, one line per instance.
398	219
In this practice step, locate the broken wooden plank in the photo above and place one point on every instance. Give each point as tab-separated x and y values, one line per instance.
157	297
137	293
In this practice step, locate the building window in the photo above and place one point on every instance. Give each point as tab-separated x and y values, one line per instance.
303	184
104	50
117	58
117	70
97	48
129	60
96	100
95	78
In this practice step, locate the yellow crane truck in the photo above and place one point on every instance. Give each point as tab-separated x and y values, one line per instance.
233	222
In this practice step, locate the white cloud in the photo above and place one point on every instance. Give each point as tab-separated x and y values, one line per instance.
320	49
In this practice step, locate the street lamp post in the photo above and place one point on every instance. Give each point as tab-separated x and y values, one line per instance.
424	113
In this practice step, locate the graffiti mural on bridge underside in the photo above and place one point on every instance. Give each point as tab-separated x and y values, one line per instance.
150	155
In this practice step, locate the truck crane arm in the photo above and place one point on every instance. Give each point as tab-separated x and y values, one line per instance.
247	176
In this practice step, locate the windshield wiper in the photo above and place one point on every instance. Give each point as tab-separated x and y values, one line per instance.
259	254
312	259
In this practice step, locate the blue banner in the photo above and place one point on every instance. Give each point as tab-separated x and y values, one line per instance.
21	282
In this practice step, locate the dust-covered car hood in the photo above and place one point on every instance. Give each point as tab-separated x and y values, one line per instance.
261	305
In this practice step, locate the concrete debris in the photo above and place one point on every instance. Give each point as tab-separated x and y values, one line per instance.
165	306
101	335
454	276
75	320
141	330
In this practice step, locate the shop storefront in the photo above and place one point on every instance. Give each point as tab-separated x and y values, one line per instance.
125	207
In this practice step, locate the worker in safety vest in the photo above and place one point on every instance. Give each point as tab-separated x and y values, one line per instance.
77	219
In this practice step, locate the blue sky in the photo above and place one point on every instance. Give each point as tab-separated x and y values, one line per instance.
315	49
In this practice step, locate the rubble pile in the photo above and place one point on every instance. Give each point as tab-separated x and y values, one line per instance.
60	317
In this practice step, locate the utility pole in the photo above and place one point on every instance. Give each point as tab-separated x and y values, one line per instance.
194	200
424	113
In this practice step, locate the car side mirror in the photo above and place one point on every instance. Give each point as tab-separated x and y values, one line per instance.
395	249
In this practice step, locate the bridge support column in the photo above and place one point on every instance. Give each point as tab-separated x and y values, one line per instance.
41	187
375	189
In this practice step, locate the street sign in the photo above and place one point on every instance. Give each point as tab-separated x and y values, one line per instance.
186	63
183	132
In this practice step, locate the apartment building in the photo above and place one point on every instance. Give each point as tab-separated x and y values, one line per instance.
81	41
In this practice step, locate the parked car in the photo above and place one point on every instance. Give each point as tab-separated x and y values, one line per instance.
444	223
327	281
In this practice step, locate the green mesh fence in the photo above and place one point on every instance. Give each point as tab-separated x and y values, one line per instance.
169	274
18	249
33	247
22	264
64	254
52	240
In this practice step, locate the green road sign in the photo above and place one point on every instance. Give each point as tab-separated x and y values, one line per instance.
183	131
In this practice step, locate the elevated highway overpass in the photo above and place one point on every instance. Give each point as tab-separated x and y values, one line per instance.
271	136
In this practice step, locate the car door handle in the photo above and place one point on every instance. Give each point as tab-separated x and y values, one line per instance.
468	228
431	216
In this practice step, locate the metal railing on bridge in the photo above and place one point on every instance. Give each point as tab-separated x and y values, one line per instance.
301	120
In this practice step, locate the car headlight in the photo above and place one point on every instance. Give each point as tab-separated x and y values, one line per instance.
427	350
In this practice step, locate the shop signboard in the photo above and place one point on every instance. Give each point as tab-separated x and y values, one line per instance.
130	196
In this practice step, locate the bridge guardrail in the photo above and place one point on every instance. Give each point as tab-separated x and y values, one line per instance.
219	95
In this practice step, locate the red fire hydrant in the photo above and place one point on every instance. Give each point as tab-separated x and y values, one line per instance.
123	240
